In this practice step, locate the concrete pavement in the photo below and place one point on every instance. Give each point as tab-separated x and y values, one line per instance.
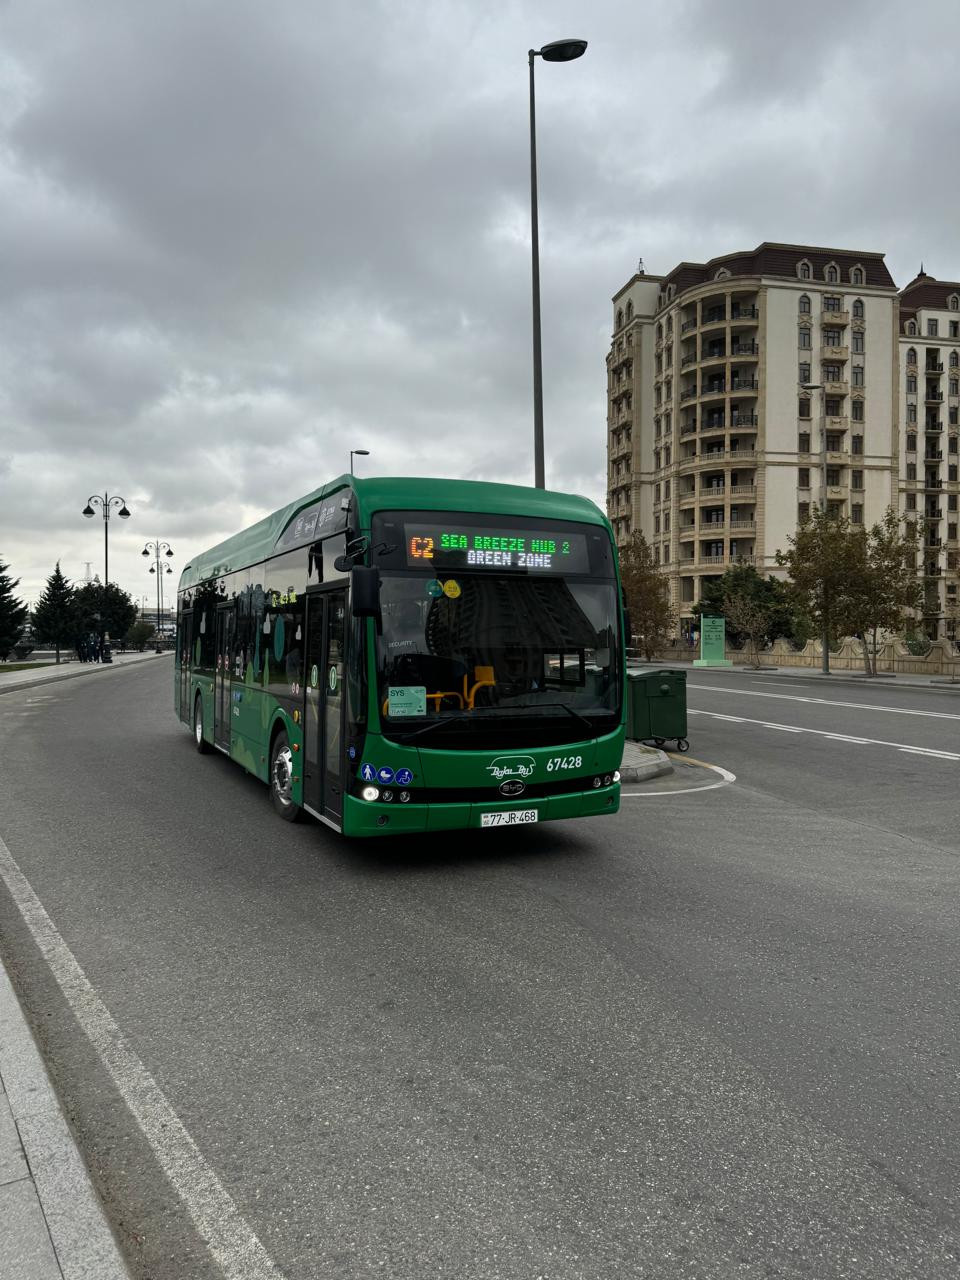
73	670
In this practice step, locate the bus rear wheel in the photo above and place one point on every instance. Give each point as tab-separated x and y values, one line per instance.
281	779
199	740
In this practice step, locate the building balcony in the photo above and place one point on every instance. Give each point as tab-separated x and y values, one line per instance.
931	396
743	524
931	485
933	366
836	388
935	513
688	497
687	428
838	457
933	428
832	319
933	455
744	386
745	350
744	311
687	530
687	394
743	419
709	527
837	424
711	357
712	493
713	389
712	424
688	325
743	490
716	315
712	560
836	491
689	358
834	353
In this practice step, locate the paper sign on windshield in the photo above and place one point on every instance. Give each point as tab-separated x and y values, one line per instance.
407	700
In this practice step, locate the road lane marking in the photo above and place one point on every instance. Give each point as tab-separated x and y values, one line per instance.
726	778
232	1242
828	702
835	737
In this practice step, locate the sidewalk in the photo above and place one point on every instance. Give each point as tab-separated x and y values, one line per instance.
640	763
53	1226
882	681
11	680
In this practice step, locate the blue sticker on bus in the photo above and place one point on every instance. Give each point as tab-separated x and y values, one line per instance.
385	774
404	777
368	772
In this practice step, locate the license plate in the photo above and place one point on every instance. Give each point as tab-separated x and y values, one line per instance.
508	818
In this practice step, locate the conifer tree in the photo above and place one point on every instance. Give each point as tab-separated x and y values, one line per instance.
55	617
13	612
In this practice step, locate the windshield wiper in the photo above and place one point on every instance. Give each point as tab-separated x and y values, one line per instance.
545	706
434	724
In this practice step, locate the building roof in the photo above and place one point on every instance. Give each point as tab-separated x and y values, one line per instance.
771	259
926	291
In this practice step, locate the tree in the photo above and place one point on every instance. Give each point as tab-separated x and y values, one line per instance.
55	616
764	607
647	593
823	561
886	587
102	611
13	613
139	634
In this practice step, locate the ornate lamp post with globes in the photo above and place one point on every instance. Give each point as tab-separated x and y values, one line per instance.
105	503
158	550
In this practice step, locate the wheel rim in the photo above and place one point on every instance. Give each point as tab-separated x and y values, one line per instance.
283	775
198	722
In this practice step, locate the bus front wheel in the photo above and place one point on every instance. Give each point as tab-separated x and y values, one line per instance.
198	738
281	779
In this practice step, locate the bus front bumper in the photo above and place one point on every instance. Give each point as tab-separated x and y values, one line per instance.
377	819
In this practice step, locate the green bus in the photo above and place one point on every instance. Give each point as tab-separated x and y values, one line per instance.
402	655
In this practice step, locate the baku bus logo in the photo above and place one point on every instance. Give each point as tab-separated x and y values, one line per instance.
511	767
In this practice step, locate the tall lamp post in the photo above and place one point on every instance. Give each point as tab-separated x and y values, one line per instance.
556	51
105	503
358	453
158	550
818	386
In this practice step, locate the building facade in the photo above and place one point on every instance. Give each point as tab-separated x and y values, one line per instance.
745	391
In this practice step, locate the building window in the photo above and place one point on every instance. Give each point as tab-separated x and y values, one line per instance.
856	410
832	337
953	417
911	355
629	311
831	372
911	384
619	319
803	442
803	340
803	373
911	329
856	444
803	512
856	479
911	443
952	446
911	471
955	328
856	513
954	302
803	408
804	305
933	328
857	379
954	360
832	274
666	495
952	474
833	408
856	343
803	477
832	303
911	502
952	502
803	269
858	310
911	413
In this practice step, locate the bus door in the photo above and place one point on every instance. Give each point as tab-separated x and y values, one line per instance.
185	651
226	622
323	704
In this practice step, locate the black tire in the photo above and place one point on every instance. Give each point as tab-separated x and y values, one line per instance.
683	744
658	742
199	741
281	779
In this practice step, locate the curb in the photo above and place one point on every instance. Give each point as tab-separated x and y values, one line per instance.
62	1212
71	675
641	772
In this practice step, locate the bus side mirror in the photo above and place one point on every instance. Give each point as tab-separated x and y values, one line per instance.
365	591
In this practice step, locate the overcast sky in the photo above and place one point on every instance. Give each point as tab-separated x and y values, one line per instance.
240	238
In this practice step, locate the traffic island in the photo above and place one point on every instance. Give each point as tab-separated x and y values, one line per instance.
641	763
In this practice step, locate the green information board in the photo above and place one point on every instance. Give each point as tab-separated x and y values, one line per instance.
713	643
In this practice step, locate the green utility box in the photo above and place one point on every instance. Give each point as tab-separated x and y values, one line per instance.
657	706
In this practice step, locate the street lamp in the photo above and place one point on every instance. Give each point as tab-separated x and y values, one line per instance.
158	550
105	503
556	51
358	453
818	386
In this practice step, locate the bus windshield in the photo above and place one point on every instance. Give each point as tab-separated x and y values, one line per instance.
464	653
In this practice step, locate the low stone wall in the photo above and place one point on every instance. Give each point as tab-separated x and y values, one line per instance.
893	656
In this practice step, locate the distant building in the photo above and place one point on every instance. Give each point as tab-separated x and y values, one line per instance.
715	449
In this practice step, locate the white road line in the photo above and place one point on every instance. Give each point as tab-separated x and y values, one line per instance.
725	774
836	737
828	702
230	1239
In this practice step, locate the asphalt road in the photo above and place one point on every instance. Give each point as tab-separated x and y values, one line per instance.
714	1036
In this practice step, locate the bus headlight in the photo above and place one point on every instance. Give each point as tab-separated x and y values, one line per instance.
616	775
370	793
404	797
387	796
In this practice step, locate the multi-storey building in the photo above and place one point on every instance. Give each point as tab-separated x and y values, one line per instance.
929	409
748	389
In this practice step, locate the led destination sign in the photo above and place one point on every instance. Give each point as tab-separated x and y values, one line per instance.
465	547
